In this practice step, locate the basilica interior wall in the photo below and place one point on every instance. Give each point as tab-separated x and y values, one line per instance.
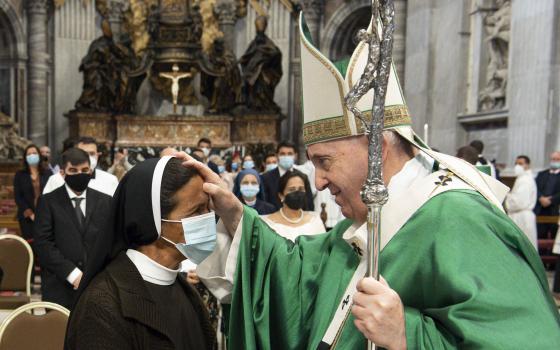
531	89
74	30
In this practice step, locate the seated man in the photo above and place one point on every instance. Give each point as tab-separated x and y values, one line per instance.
138	300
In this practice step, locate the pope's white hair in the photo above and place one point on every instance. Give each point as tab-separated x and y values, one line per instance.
399	142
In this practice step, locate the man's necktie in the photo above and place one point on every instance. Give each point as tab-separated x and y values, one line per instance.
78	210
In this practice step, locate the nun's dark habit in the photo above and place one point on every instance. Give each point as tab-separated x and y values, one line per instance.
117	308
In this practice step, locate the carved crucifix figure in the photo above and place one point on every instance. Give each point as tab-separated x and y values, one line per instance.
175	76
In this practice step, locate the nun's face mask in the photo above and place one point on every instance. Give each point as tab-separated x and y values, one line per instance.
200	236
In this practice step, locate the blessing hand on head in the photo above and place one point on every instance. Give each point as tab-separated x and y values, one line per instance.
222	201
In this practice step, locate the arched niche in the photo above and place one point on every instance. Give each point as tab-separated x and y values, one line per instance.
338	39
13	57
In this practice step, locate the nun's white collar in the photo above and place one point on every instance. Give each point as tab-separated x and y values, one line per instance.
150	270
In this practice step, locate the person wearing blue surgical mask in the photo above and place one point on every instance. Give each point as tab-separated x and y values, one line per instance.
248	162
249	188
287	154
270	162
134	295
28	185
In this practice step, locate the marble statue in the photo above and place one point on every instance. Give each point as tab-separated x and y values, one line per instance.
262	70
497	25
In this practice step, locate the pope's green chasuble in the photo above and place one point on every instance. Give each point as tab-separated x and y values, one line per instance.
468	278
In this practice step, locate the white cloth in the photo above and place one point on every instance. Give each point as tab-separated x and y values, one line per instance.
416	168
519	205
150	270
103	182
72	276
313	227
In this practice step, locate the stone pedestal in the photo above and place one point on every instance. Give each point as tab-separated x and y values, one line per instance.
155	131
101	126
126	131
256	128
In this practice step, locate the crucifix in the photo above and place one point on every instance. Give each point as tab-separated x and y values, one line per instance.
175	76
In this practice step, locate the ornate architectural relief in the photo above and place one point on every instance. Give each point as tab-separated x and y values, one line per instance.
497	25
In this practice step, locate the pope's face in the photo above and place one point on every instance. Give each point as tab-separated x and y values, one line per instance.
341	166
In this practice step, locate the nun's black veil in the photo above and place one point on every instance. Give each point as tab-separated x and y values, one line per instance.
131	223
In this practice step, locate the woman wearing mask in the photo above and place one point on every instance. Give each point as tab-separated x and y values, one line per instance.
235	165
137	301
248	162
28	186
292	219
249	188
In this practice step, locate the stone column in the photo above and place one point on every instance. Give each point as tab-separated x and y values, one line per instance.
313	10
37	71
399	38
295	122
227	16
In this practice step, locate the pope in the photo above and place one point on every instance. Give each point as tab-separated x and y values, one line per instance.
456	272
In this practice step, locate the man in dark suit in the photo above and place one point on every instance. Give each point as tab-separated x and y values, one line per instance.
68	221
548	195
287	154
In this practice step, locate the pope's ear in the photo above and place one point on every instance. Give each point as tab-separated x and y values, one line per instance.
385	149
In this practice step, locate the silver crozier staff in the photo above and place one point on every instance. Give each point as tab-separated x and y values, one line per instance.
376	77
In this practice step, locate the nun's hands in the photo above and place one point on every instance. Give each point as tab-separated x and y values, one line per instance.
222	200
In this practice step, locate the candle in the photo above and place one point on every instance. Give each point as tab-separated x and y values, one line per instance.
426	133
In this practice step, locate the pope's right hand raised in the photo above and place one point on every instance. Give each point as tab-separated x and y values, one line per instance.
222	200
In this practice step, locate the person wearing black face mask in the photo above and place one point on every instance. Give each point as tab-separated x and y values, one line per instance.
293	219
68	222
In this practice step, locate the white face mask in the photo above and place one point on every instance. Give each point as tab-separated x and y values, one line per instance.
206	151
92	162
200	236
518	169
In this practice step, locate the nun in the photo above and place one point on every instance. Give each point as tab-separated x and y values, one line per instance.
250	186
134	297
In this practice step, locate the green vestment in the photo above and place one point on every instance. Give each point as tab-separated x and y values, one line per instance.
468	278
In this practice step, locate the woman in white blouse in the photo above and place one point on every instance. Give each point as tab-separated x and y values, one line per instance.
292	219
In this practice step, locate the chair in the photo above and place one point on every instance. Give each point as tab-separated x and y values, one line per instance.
25	330
16	260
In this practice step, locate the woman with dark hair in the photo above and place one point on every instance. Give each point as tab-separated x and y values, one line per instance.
28	186
293	219
133	296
